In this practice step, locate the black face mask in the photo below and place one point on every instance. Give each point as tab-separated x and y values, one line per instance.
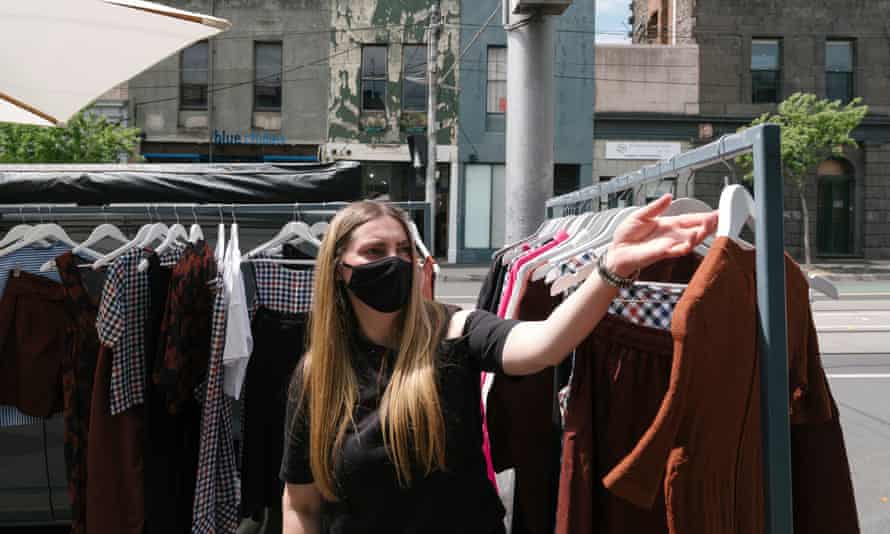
384	285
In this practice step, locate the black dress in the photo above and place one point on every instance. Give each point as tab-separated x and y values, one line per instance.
460	499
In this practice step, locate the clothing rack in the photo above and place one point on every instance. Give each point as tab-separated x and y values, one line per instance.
764	143
13	213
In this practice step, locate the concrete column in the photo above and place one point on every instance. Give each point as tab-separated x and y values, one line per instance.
530	118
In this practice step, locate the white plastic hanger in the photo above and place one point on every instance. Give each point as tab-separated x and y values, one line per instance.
174	232
103	231
42	232
14	234
736	209
195	232
577	246
421	246
135	242
597	246
319	229
290	231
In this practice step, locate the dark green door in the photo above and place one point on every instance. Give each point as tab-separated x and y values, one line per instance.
834	211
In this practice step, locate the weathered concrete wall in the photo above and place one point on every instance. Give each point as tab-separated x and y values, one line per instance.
301	26
647	78
391	22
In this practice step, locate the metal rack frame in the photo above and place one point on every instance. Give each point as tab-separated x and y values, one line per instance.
764	143
10	213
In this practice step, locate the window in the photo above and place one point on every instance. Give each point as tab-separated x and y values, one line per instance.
374	77
766	71
496	99
839	70
414	78
485	206
267	77
566	178
193	76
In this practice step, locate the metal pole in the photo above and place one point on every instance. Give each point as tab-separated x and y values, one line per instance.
432	128
769	241
210	57
530	117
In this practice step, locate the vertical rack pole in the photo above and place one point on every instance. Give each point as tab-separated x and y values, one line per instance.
769	241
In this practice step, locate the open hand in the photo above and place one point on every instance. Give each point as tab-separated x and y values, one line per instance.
645	238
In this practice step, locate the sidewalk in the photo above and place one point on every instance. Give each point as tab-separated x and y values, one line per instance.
853	270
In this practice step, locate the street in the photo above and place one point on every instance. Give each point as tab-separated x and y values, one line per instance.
854	337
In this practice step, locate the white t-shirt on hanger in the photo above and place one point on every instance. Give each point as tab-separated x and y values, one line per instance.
239	341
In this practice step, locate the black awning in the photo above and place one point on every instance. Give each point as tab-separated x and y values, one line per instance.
198	183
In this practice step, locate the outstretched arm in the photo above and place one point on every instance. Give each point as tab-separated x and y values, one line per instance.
641	240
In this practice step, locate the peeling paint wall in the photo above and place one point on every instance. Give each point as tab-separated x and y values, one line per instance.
394	23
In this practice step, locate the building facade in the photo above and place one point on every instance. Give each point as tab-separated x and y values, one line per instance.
479	201
305	80
378	97
255	93
752	56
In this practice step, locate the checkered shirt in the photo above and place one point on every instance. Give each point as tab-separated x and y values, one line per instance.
647	305
120	322
281	289
218	488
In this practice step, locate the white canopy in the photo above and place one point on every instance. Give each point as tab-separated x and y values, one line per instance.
58	56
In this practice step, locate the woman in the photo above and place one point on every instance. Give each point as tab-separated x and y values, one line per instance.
384	427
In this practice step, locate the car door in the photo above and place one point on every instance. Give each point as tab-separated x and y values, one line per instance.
24	488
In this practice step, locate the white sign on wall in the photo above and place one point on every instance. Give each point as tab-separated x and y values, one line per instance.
645	150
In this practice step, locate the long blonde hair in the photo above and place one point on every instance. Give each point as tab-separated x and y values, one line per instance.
410	410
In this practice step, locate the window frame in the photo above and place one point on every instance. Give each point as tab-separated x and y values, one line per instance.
850	74
256	106
778	71
182	84
405	82
383	78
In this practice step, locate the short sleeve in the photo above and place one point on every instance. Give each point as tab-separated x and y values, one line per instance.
295	468
486	336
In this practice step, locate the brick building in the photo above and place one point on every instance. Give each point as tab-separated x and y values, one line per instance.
752	55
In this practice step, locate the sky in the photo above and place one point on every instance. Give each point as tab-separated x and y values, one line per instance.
611	20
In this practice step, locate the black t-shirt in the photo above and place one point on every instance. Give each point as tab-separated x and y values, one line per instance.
460	499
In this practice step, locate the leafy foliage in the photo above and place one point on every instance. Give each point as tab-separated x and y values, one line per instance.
812	130
86	138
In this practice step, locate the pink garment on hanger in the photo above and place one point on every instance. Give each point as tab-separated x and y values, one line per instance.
514	269
502	311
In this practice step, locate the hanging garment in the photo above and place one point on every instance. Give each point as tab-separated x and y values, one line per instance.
78	374
27	259
707	455
120	322
524	428
238	341
283	298
115	503
33	323
171	439
181	365
280	338
620	376
217	489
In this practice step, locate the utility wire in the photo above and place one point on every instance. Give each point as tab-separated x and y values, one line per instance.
273	75
466	49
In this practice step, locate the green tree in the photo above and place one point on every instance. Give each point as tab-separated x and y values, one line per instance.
812	130
86	138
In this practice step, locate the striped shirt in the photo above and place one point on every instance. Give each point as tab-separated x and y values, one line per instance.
28	259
